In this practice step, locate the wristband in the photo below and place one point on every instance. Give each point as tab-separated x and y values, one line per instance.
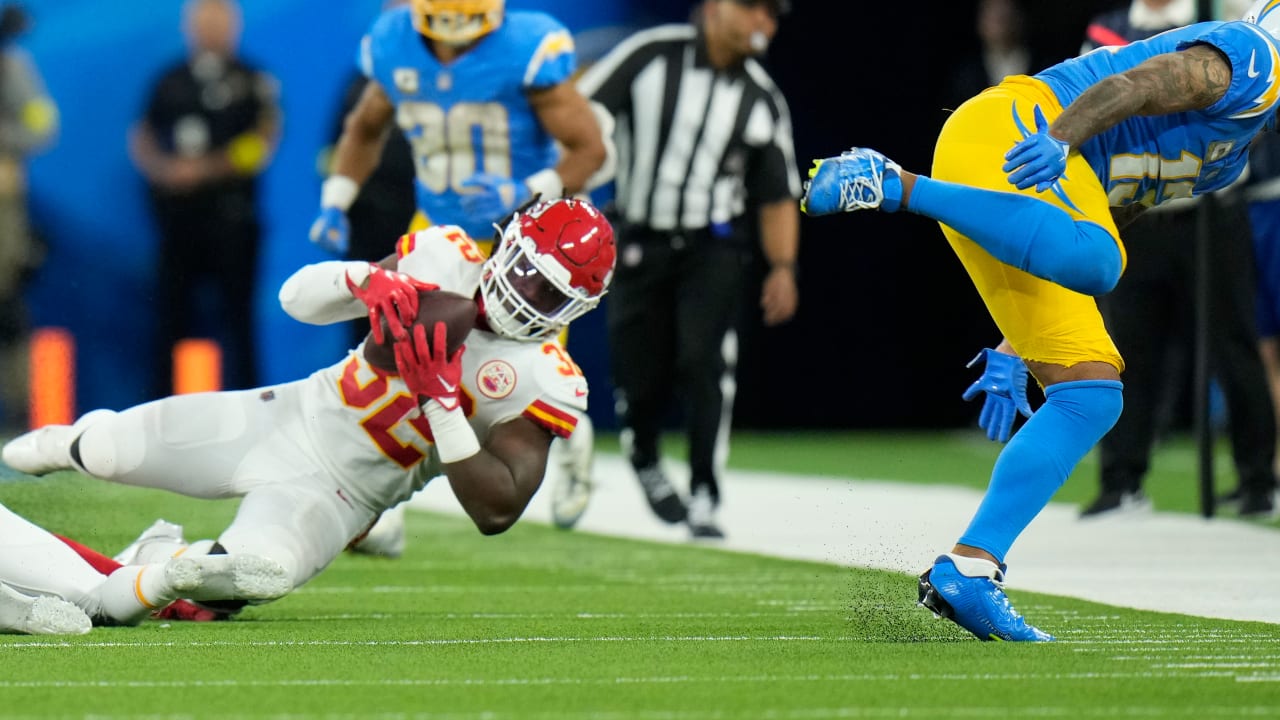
455	440
339	191
546	183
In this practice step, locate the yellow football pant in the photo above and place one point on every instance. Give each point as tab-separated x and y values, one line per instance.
1043	321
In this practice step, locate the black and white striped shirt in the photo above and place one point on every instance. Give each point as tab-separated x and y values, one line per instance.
694	143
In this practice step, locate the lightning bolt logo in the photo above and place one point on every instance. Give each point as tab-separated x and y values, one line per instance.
1267	100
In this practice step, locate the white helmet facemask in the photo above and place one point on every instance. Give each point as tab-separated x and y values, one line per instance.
527	295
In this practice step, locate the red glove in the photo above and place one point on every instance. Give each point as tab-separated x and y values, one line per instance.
391	295
427	369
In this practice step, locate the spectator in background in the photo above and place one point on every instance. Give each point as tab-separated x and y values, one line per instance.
707	154
1151	314
28	124
1002	51
385	206
209	130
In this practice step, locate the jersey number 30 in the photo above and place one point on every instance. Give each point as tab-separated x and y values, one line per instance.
451	145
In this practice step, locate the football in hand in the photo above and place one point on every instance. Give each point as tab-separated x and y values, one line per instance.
457	312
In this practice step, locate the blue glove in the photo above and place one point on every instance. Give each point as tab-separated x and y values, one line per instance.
331	231
1005	382
1039	159
493	197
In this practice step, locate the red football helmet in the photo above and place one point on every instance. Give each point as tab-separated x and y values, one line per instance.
552	264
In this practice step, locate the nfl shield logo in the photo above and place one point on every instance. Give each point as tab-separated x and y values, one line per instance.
406	80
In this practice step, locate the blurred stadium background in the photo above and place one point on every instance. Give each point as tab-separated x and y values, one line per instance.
888	318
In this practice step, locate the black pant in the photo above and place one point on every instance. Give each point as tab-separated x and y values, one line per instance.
207	277
1150	315
673	299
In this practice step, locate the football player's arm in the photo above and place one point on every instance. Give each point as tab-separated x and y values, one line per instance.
324	293
780	236
495	485
364	132
568	117
1190	79
355	156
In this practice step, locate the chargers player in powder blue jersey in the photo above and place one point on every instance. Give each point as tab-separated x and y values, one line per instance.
487	101
1031	180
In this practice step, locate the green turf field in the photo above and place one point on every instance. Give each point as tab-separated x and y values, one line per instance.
542	623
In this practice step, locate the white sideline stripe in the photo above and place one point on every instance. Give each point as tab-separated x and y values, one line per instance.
437	641
560	616
1169	644
1169	562
651	680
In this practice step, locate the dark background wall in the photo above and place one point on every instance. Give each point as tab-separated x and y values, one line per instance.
888	317
887	320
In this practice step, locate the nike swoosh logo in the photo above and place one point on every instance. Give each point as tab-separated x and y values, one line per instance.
1252	57
579	392
448	387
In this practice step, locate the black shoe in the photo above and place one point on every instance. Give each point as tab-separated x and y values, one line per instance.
1117	503
702	517
1257	504
1231	497
662	496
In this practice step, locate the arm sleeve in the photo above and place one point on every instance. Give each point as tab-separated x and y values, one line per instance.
317	294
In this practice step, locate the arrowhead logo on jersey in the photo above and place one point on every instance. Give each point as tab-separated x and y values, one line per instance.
406	80
496	379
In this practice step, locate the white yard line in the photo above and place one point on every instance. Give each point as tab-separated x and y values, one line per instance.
1219	568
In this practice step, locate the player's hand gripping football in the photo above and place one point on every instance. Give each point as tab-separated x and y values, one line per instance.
1004	380
1038	159
391	295
493	197
427	368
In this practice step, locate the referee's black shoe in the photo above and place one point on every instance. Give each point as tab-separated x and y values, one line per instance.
662	496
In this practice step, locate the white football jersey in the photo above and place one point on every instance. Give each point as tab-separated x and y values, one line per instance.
358	416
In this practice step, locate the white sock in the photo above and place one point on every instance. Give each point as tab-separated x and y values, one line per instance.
119	598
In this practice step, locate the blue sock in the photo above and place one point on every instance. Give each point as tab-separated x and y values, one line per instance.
1039	458
1024	232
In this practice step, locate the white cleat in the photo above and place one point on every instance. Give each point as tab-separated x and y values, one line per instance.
40	451
227	577
156	544
40	615
47	449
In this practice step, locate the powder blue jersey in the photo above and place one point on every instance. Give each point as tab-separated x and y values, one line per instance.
470	115
1151	159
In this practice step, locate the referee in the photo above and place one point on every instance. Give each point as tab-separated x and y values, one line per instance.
705	165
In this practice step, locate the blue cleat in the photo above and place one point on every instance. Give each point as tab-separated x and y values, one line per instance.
970	593
859	179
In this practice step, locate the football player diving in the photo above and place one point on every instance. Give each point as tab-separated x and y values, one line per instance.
486	100
1031	181
316	461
